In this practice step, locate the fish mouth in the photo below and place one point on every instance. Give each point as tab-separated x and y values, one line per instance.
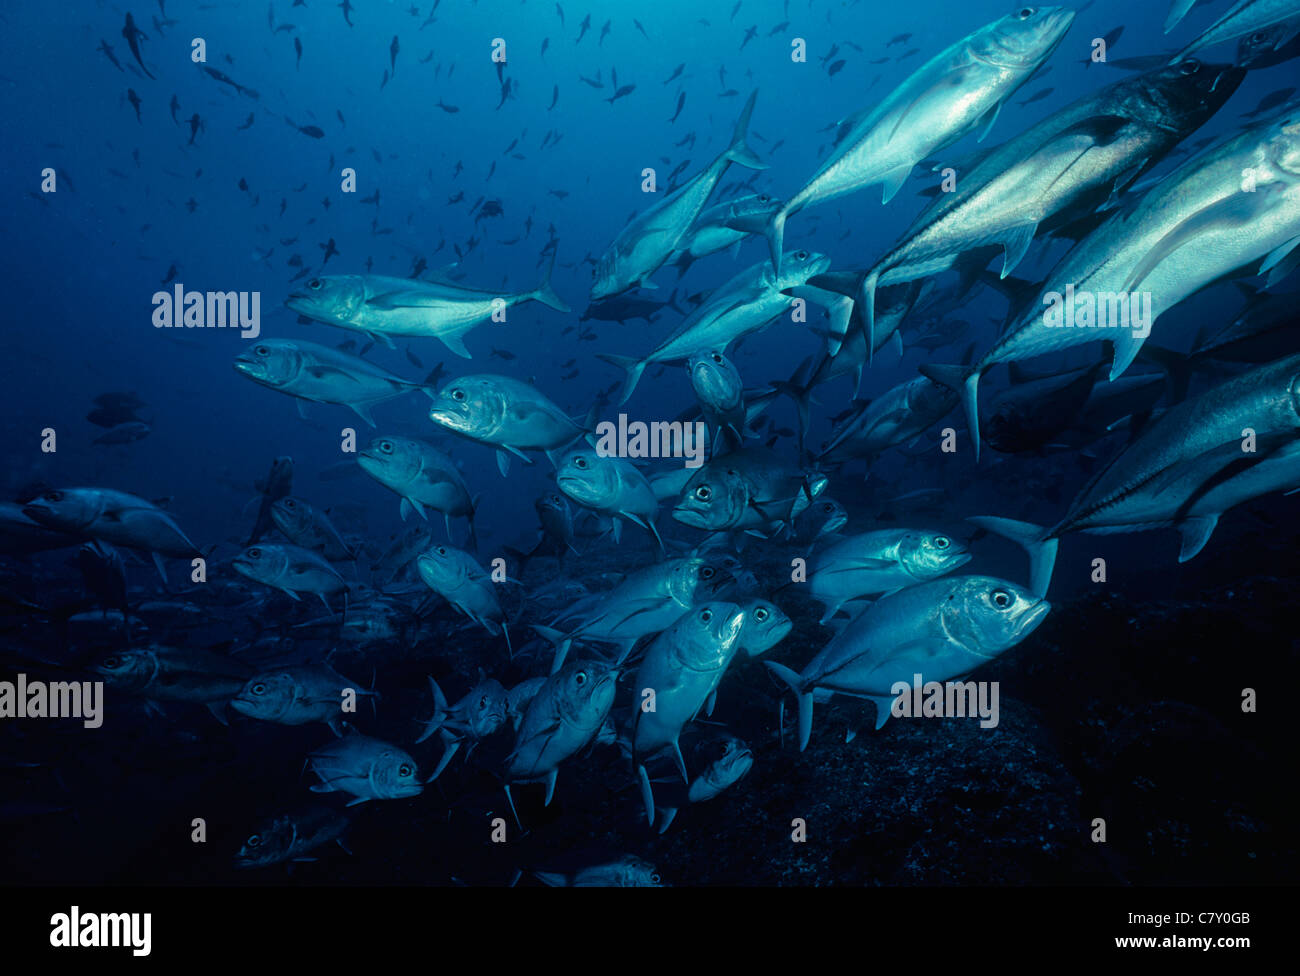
957	561
1032	617
689	516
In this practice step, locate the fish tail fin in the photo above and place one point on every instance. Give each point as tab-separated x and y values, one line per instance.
804	698
545	294
1033	539
964	382
739	151
775	234
634	367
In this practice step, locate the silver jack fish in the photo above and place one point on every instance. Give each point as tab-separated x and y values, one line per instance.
291	570
385	307
320	374
940	630
369	769
424	477
458	578
881	562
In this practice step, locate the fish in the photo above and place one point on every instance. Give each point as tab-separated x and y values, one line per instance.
628	871
134	35
1178	237
291	570
1243	18
21	535
723	760
307	526
747	490
126	433
644	602
681	103
609	486
504	413
623	92
643	246
947	97
298	695
725	225
880	561
1174	463
899	415
458	578
680	669
481	713
746	304
720	393
562	718
824	518
115	517
319	374
422	476
161	673
368	769
1071	163
387	307
278	485
290	836
941	629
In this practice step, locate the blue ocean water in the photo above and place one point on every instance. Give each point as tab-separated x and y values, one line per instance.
487	193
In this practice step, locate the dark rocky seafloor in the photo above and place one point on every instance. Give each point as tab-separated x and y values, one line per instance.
1117	707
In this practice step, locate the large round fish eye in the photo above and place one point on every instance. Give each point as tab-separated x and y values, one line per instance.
258	689
706	615
262	350
441	550
580	678
405	769
386	447
112	662
580	462
54	496
654	879
704	493
254	553
314	284
941	542
483	703
458	395
1190	66
1001	599
254	841
707	572
764	198
760	614
1027	13
717	358
290	504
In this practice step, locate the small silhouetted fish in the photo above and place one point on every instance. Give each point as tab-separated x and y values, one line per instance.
681	103
392	53
413	359
835	68
451	109
134	99
329	249
124	433
1270	101
555	97
247	125
899	39
1037	96
501	354
677	71
171	276
622	93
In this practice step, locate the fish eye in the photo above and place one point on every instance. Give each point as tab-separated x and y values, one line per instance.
580	462
386	447
458	395
1191	65
707	572
290	504
580	678
255	553
262	350
112	662
764	198
483	702
706	615
1027	13
254	841
1256	38
828	507
405	769
654	879
314	284
717	358
442	550
259	689
1001	599
704	493
942	542
760	614
54	496
801	255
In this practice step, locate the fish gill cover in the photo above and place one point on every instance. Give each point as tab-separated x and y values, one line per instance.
754	442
